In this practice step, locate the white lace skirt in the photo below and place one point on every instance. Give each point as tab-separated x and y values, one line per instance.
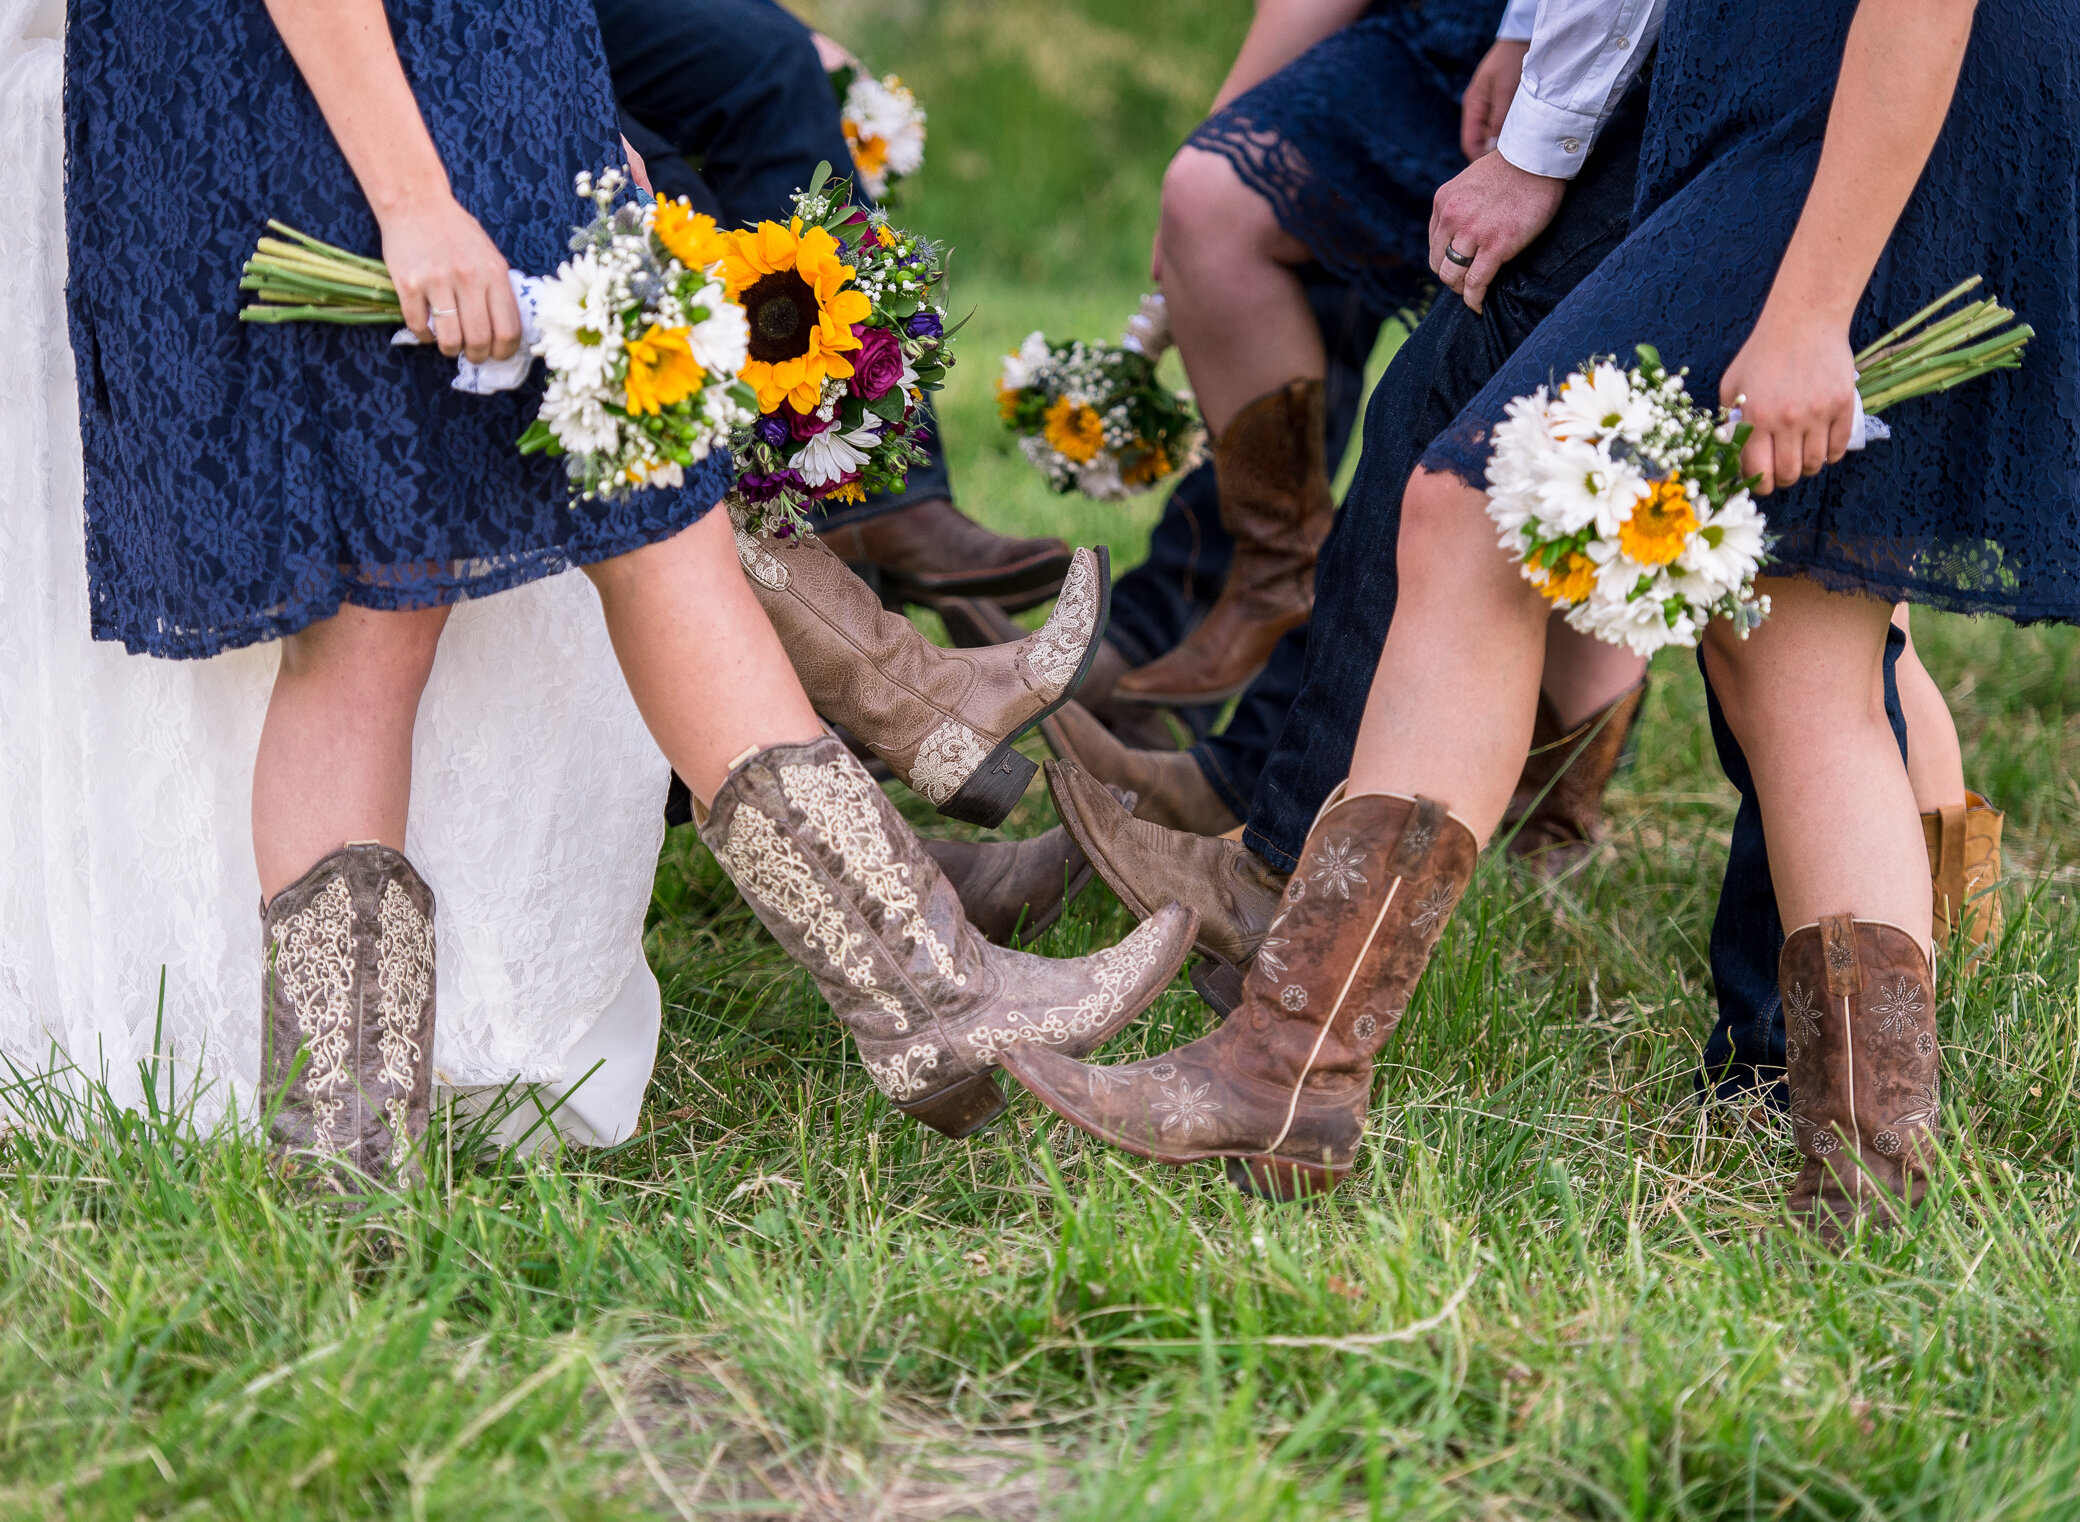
126	857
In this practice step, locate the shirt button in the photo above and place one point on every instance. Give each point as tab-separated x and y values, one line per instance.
1621	43
1571	144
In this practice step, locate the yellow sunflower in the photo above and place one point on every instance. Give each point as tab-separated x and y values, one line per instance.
1571	581
690	236
1151	465
1074	432
661	369
793	290
1661	524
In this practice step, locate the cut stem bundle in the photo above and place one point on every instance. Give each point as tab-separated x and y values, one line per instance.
306	280
1922	356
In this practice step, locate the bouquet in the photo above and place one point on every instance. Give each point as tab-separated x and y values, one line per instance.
643	343
1624	501
1093	418
845	340
884	128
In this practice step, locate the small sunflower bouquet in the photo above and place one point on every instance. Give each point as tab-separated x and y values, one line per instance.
1624	501
884	128
845	340
642	340
1093	417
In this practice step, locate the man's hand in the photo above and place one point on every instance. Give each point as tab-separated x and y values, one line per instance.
1487	98
1488	213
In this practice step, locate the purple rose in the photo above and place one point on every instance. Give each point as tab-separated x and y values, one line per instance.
771	431
802	426
877	367
926	324
757	488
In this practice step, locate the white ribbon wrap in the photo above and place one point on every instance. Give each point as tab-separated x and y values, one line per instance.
498	374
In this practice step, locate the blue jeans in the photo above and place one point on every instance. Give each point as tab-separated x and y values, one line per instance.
1745	1052
735	86
1160	601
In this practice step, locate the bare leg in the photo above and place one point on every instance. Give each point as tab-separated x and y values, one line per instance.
700	656
1803	696
1935	761
1452	704
1241	319
1584	675
335	758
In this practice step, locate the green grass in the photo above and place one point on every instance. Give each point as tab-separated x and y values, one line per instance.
1549	1290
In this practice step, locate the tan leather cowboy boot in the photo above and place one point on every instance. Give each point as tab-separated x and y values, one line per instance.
1557	809
1271	466
976	621
1234	891
347	1046
932	549
1279	1090
1013	890
945	721
1964	865
830	868
1171	789
1860	1036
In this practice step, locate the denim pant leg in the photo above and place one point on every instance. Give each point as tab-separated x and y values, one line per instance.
1745	1051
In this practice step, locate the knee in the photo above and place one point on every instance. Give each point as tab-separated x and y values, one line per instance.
377	653
1206	205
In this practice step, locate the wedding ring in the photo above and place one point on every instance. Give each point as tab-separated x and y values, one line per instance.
435	314
1464	261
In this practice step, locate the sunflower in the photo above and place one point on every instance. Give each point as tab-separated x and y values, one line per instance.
1571	581
661	370
1661	523
793	290
689	236
1150	466
1074	432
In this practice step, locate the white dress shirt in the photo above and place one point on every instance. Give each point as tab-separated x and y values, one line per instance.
1583	55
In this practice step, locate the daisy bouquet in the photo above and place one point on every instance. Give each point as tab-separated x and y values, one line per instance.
845	340
1093	417
1624	501
884	128
642	341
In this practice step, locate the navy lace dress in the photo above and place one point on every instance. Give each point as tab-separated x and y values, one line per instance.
1974	503
1350	141
245	480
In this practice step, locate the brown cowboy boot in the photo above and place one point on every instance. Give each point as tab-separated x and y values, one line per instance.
946	721
978	621
1271	465
932	550
1964	864
1172	790
1279	1090
1860	1036
1557	809
830	868
347	1046
1014	890
1234	891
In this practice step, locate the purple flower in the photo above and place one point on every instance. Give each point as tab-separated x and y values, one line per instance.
758	488
771	431
802	426
926	324
877	367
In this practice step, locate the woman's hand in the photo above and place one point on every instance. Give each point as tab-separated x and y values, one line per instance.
1795	382
451	280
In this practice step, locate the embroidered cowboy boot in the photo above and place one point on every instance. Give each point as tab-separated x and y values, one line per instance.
1279	1090
1964	865
829	866
1557	810
1860	1035
945	721
1271	467
347	1055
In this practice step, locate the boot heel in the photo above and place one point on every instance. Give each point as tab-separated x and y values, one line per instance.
994	790
1282	1178
961	1110
1218	983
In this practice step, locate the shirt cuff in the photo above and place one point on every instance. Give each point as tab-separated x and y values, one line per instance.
1517	21
1546	139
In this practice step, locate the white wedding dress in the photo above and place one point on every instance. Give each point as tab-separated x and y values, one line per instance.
125	844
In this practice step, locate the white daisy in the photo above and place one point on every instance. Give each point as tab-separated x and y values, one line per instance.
831	455
721	342
581	334
576	416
